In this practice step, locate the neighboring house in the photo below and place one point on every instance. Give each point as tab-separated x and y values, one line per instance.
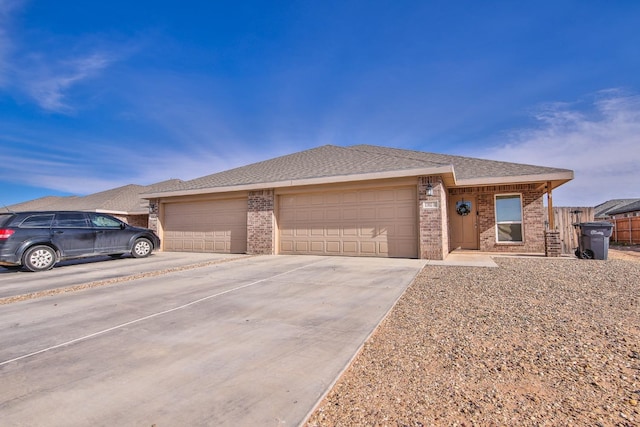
617	208
122	202
359	201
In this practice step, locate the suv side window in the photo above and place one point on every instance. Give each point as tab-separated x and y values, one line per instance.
104	221
71	220
37	221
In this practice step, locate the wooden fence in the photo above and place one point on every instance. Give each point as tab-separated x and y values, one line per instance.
564	218
626	230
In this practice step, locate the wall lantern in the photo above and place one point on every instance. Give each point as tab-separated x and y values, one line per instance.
429	188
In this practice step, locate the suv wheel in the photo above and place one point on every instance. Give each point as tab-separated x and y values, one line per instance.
39	258
141	248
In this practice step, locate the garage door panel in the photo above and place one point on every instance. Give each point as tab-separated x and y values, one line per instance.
368	213
368	248
368	231
317	247
406	231
350	248
208	226
383	248
349	197
332	214
333	247
367	196
376	222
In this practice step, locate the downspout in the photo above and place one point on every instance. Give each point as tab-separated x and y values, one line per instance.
552	224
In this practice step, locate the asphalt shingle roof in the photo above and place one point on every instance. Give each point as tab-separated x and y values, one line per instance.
630	207
610	206
121	199
330	160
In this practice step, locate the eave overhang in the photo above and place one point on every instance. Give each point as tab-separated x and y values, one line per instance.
447	172
440	170
555	178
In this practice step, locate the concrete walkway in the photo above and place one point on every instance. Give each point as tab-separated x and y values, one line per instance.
463	258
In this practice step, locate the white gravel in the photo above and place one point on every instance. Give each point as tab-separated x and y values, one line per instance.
535	342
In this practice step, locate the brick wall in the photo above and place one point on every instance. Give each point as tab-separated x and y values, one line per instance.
533	216
552	244
260	219
432	218
154	210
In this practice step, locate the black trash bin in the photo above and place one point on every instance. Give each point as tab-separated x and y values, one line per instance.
593	239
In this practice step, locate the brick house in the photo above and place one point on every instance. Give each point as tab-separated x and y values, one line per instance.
360	201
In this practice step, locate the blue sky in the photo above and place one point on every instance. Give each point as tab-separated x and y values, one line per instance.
94	95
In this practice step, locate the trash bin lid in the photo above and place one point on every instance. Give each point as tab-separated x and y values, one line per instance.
599	224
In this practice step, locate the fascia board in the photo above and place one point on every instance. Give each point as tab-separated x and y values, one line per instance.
114	212
557	176
308	181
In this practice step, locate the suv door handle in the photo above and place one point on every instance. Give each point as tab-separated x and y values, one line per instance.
58	232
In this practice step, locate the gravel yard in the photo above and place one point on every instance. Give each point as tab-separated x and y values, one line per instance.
535	342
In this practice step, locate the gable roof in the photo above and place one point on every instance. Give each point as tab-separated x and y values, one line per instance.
120	200
609	207
331	164
630	207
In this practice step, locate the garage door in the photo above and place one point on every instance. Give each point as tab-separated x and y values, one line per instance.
378	222
212	226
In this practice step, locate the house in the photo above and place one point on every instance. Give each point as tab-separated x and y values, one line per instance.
123	202
361	200
617	208
626	208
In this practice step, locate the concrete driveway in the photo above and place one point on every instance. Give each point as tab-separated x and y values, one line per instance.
254	341
88	270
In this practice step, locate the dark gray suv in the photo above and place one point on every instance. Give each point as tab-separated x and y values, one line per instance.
38	240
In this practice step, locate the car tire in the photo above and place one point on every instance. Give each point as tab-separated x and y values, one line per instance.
141	248
39	258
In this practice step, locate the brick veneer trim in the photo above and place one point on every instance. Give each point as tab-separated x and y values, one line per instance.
260	222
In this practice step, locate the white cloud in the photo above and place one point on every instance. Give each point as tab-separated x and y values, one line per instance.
49	85
46	75
599	139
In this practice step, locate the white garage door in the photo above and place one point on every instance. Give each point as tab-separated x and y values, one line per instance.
376	222
212	226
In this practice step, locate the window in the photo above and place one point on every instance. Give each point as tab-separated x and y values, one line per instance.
509	218
104	221
71	220
37	221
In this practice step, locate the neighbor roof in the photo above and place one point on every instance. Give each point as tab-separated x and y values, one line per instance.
121	200
329	163
607	208
631	207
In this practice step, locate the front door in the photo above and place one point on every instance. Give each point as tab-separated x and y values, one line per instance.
463	222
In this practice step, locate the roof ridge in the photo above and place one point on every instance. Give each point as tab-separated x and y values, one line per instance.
362	147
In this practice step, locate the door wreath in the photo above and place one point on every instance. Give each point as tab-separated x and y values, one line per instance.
463	208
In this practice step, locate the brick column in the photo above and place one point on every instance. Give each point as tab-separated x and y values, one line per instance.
432	217
552	244
260	217
154	210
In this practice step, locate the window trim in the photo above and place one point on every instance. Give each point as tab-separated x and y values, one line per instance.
521	222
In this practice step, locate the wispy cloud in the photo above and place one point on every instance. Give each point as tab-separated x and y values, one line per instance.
598	138
48	83
48	75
